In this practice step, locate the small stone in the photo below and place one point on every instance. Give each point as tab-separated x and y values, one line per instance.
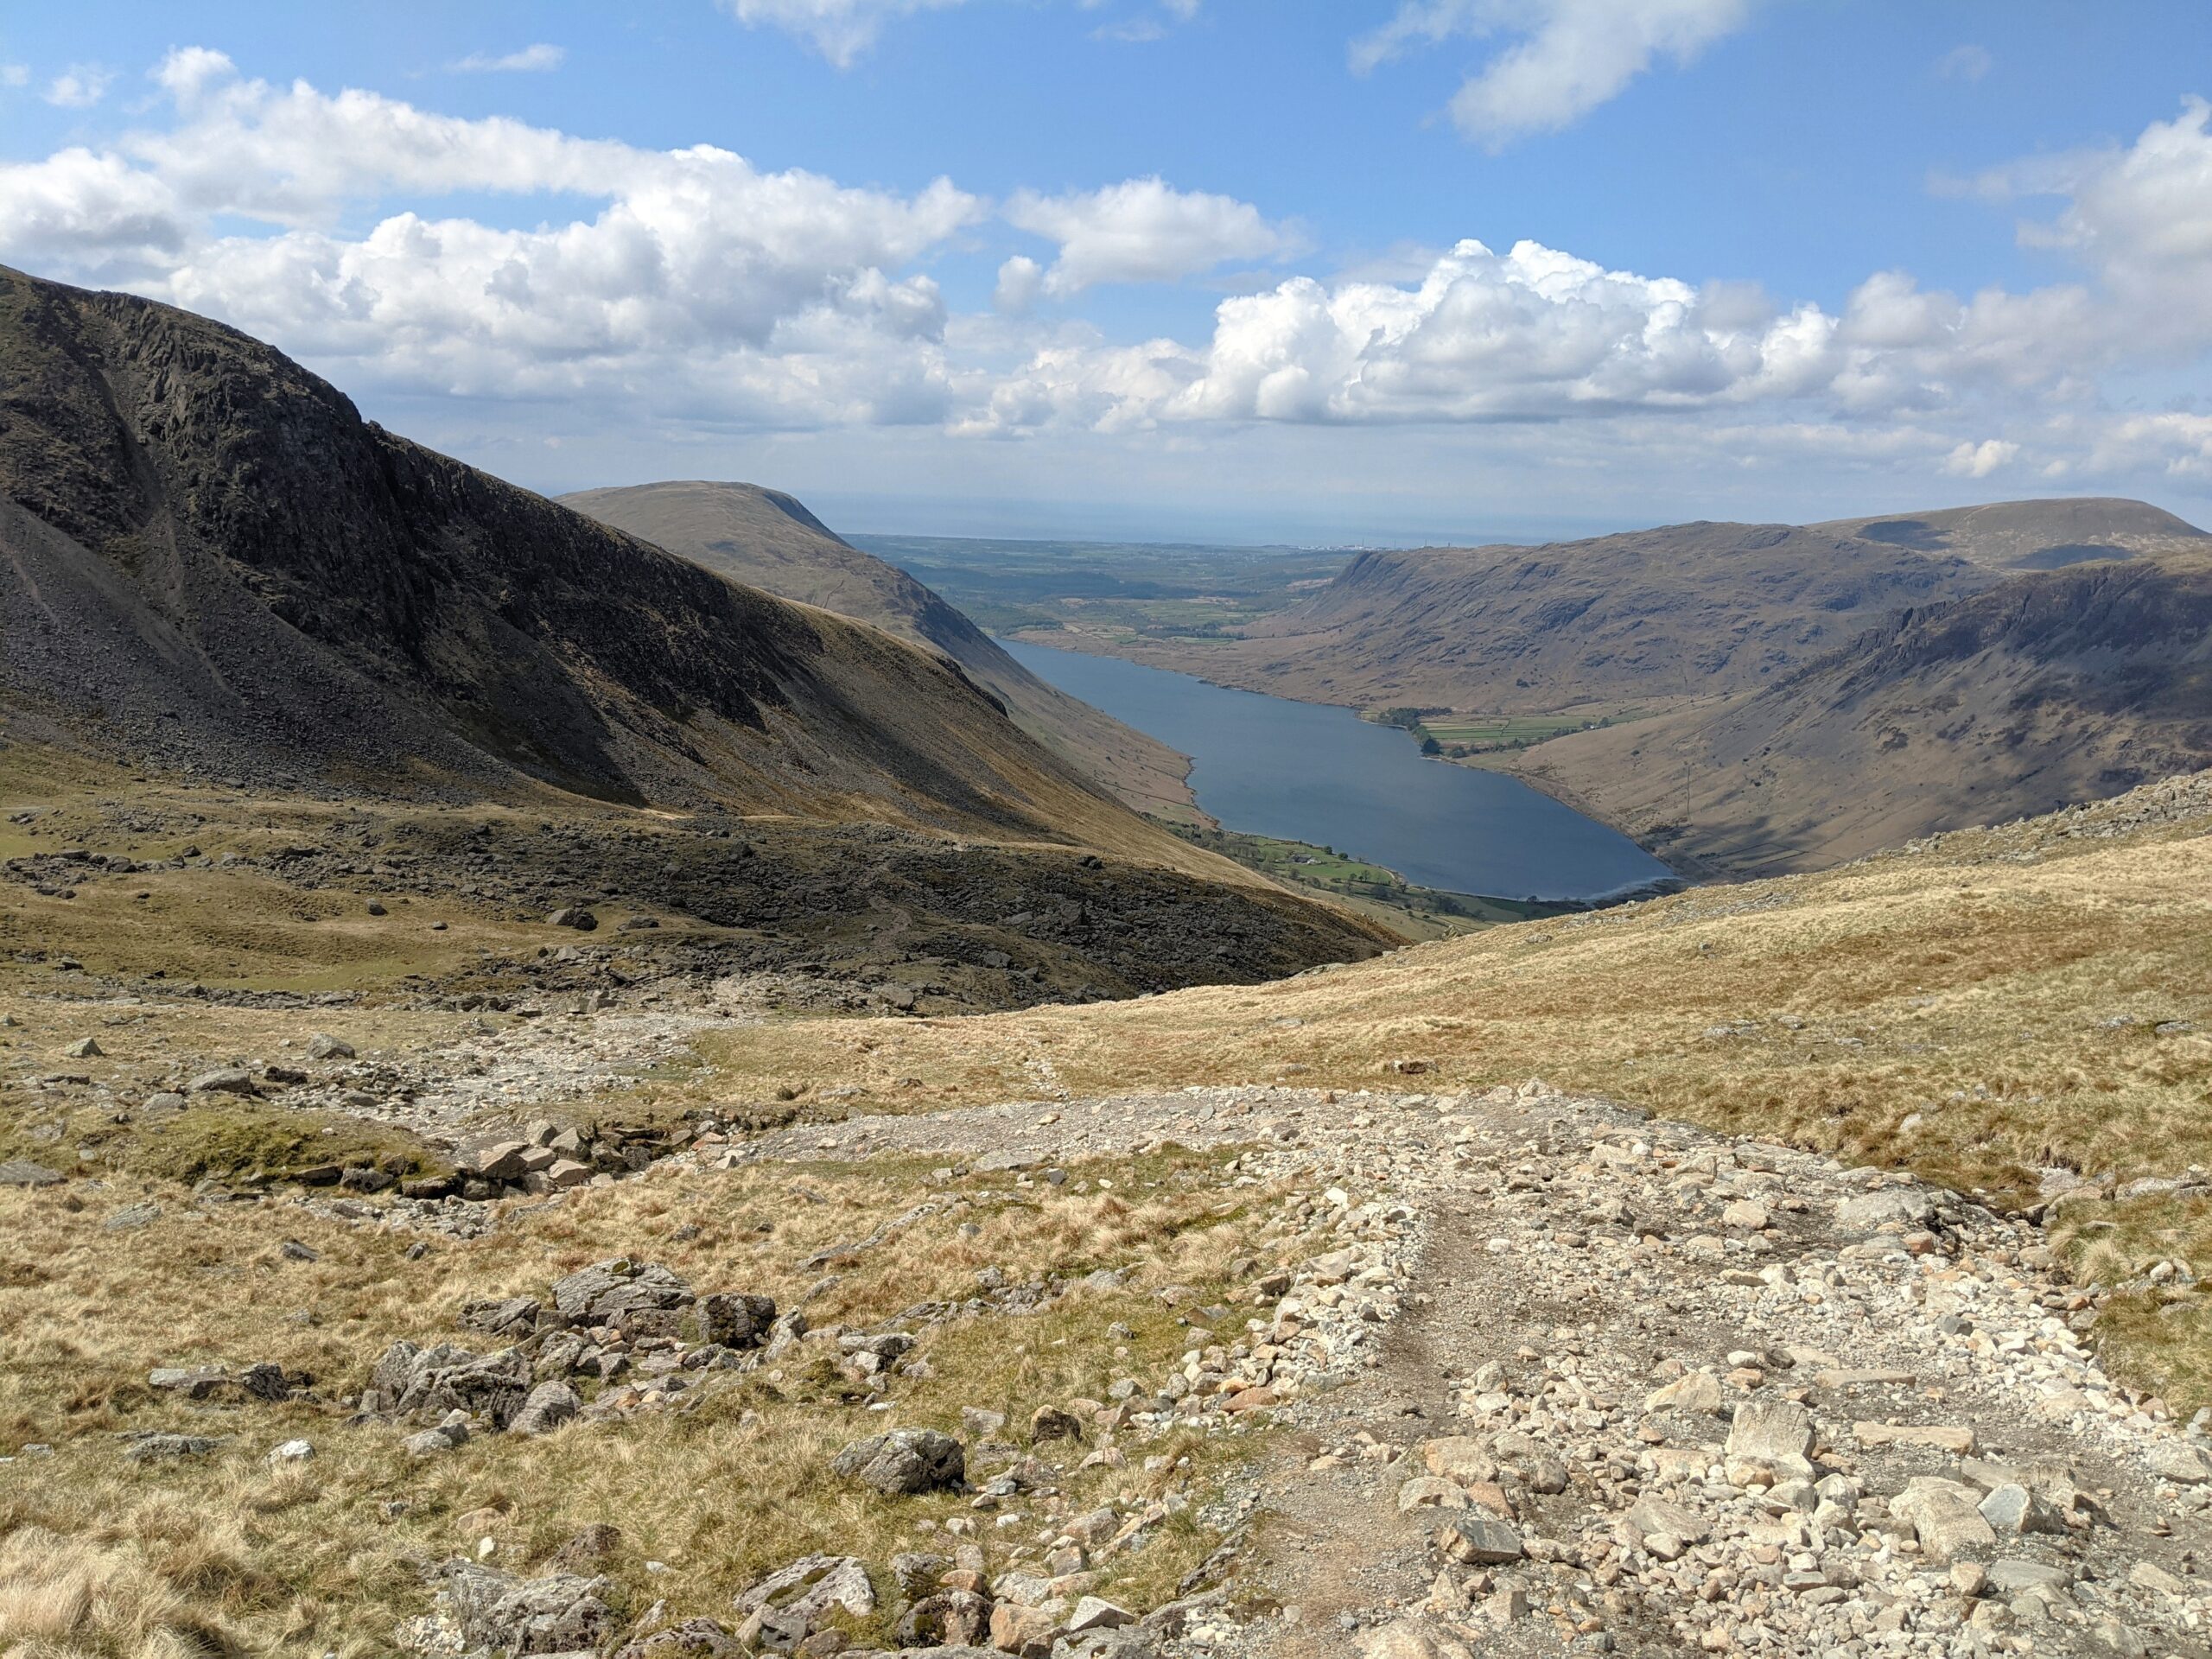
85	1048
323	1046
224	1080
1698	1391
1094	1613
290	1452
2149	1575
1957	1438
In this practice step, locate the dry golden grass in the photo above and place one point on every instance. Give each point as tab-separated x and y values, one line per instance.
1948	1011
330	1552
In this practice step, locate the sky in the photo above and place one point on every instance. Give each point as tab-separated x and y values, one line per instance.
1323	271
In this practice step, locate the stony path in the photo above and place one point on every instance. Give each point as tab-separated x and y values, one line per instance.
1572	1381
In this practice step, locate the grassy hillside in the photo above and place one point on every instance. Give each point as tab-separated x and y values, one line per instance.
2046	689
1997	1008
768	540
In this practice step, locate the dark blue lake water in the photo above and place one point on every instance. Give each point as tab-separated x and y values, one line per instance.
1307	771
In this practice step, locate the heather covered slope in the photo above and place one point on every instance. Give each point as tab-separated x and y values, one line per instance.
768	540
2043	691
211	559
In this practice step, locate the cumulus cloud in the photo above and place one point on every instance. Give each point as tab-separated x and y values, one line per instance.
539	59
1144	231
1566	57
1020	278
696	292
781	295
80	86
1530	335
1980	459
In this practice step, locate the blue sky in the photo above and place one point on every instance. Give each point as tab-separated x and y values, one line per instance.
1786	259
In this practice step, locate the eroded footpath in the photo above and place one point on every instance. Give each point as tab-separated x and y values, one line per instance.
1571	1380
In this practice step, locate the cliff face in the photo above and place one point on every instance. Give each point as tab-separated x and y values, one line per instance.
209	556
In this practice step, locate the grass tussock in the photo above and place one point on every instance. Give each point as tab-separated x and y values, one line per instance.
717	1492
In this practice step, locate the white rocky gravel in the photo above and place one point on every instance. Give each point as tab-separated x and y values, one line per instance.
1573	1378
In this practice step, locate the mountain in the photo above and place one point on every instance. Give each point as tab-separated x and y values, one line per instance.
1653	616
2044	691
210	563
2033	534
768	540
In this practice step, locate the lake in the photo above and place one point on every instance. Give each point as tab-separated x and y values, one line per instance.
1309	772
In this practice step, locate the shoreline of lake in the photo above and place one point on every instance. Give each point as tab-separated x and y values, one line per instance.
1317	773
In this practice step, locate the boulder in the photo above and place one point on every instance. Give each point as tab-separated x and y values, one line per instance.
224	1080
290	1452
573	916
1779	1432
632	1295
782	1610
323	1046
949	1618
694	1638
21	1171
545	1408
502	1160
1947	1516
410	1380
1698	1391
85	1048
511	1317
1479	1538
904	1462
730	1320
559	1614
1051	1423
1869	1212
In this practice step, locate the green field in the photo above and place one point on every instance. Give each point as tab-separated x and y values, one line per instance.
1370	888
1457	735
1120	592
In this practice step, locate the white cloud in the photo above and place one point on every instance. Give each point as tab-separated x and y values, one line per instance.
768	296
80	86
1567	56
1144	231
1532	334
1020	280
539	59
1967	63
696	294
15	74
839	29
1980	459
